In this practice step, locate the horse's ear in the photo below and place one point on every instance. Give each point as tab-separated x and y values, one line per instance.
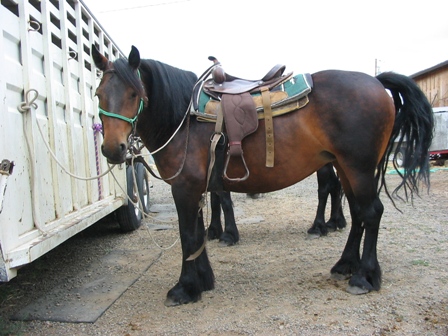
101	62
134	58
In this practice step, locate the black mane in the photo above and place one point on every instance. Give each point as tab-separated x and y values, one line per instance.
169	92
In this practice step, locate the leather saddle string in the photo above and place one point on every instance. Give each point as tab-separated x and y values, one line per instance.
269	126
214	142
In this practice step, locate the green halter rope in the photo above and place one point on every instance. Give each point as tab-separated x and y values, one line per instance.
118	116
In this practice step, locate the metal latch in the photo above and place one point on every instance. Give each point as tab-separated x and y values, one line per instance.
6	168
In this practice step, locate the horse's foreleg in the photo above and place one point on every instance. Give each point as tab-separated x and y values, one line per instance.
337	219
318	228
323	190
196	275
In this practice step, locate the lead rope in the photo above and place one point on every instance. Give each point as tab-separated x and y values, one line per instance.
199	84
139	206
25	107
97	128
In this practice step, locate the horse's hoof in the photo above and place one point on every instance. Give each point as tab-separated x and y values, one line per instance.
339	276
342	225
223	243
228	239
355	290
171	303
312	236
181	294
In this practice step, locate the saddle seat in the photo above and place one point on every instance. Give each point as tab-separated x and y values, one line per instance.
224	83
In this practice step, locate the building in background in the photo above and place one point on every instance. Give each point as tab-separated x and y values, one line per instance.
434	83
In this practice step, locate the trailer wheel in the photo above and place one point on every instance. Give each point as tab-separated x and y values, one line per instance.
399	158
129	217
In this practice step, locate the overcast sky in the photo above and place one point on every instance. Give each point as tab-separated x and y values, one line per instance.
251	36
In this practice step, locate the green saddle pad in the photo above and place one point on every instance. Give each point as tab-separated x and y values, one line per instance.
294	88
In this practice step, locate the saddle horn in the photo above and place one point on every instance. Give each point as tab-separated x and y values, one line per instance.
218	73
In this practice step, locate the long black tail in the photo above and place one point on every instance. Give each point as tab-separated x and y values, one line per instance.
413	132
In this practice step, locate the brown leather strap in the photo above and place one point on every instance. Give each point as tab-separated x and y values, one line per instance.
214	141
269	126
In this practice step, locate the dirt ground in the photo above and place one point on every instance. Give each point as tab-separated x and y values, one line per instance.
274	282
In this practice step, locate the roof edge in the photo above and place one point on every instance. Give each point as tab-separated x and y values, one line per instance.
433	68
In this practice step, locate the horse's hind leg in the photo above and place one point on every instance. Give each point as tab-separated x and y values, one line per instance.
368	276
350	260
366	210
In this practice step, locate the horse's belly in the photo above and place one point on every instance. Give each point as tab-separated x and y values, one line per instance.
296	156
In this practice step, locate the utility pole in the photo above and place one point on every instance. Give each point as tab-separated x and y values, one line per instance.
377	67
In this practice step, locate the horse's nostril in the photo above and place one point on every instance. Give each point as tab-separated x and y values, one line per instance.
122	147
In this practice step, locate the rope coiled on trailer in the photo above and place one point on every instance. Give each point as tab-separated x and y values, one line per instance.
26	106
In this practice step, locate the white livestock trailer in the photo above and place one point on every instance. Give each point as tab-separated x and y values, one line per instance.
47	87
439	147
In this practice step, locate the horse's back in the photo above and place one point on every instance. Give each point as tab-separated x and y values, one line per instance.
349	117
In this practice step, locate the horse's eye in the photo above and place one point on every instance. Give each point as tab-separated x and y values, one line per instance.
134	95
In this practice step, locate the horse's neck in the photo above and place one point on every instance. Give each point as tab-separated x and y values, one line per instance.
165	112
156	134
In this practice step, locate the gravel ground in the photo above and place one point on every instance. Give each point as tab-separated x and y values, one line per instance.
274	282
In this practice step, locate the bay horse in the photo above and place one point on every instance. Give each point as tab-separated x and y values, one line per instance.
350	121
328	185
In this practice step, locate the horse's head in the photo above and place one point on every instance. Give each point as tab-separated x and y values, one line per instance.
121	99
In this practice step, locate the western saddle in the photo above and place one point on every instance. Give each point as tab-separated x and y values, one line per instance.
238	110
223	83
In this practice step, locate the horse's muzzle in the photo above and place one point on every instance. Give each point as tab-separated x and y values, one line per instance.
116	154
